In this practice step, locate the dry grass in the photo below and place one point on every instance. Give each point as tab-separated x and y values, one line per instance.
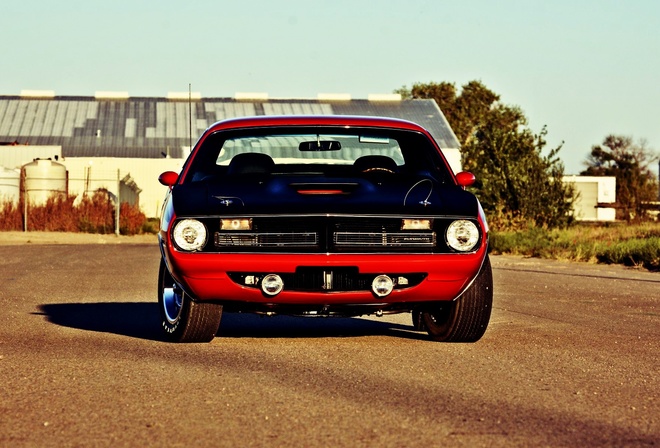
62	213
616	243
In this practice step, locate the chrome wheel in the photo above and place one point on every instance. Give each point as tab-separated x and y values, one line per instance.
172	303
182	318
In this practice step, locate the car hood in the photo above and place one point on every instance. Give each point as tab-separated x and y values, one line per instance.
328	196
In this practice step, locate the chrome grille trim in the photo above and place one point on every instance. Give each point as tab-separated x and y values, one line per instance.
385	239
265	239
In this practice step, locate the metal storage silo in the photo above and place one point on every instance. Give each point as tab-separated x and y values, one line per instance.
42	178
10	186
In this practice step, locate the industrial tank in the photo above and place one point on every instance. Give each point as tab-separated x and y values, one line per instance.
43	178
10	186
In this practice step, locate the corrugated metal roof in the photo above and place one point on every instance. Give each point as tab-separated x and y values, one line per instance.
148	127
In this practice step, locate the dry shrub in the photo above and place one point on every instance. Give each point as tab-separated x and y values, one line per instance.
60	213
96	214
11	216
131	219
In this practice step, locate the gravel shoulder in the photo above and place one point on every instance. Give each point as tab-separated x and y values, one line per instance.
18	238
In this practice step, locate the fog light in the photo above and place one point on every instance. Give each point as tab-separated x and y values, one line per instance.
382	285
272	284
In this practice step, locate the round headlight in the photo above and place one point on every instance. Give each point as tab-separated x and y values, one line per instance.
462	235
189	235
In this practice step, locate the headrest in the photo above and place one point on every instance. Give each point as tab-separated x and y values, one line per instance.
365	164
250	163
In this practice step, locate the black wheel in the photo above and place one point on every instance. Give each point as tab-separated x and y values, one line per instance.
418	325
465	319
183	319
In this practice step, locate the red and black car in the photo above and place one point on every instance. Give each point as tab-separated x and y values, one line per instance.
322	216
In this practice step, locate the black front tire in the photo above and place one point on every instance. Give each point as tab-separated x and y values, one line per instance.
465	319
183	319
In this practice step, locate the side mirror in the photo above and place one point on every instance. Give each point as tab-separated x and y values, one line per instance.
168	178
465	179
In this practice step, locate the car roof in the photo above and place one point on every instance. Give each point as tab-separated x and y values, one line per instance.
315	120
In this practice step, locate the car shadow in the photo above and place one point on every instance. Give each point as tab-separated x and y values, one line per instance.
141	320
133	319
258	326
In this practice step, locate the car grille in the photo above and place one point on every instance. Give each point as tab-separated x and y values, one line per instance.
349	239
325	234
282	239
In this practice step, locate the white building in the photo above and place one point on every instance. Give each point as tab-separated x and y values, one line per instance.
596	197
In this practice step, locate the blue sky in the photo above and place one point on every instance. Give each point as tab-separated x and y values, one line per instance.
583	68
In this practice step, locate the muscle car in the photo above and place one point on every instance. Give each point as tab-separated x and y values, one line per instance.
322	216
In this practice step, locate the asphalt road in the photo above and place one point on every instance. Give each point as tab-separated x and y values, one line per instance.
571	358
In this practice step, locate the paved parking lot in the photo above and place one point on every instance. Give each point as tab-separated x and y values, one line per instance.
570	359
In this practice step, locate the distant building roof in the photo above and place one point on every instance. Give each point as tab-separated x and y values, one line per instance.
152	127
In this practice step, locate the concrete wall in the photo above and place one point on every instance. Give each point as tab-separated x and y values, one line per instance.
15	156
91	173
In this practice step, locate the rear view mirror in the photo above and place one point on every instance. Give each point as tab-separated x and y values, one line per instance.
320	145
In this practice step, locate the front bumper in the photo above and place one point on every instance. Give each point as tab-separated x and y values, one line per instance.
205	276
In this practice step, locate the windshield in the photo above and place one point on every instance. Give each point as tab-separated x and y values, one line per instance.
324	150
334	149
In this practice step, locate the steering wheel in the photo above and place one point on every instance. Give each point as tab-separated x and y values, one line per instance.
378	169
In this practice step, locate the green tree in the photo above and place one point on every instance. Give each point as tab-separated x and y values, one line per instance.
518	183
629	163
464	112
517	180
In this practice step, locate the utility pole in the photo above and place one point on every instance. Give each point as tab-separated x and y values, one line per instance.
118	205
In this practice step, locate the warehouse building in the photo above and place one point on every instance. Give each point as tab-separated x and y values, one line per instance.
122	143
